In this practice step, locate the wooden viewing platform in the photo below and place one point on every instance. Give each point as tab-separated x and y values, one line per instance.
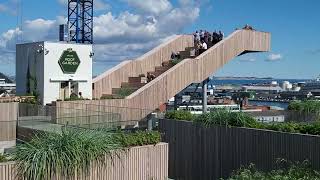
151	95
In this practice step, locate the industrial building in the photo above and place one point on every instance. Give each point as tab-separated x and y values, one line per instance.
54	70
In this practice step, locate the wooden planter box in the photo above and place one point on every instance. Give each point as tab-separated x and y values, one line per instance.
138	163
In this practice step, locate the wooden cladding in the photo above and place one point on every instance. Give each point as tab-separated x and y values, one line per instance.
8	121
138	163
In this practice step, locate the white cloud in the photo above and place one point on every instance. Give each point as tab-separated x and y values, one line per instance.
9	7
118	37
247	59
274	57
154	7
98	4
3	8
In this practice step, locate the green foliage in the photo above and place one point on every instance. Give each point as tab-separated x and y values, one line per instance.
138	138
106	96
308	106
175	61
30	100
109	96
72	151
303	128
240	119
224	117
66	153
74	98
179	115
3	158
295	171
123	92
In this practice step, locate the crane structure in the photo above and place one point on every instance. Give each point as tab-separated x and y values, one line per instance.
80	21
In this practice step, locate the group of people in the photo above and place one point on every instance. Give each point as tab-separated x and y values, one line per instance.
75	95
203	39
248	27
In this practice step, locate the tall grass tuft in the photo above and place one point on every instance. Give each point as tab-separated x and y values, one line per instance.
50	154
224	117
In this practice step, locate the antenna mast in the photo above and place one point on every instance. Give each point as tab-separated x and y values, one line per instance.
80	21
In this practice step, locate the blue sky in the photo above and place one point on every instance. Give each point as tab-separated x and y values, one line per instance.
294	25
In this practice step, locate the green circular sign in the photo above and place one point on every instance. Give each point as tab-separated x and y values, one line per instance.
69	61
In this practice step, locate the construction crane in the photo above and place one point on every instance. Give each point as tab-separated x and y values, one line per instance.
80	21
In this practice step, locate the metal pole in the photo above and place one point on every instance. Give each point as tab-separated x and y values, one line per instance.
69	88
204	96
175	103
77	21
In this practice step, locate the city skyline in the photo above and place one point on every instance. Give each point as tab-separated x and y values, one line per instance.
125	29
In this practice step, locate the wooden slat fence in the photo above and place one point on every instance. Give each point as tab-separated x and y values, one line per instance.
196	152
138	163
8	120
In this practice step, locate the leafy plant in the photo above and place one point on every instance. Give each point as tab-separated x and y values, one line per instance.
74	98
123	92
175	61
224	117
240	119
109	96
307	106
179	115
3	158
73	151
293	171
138	138
64	154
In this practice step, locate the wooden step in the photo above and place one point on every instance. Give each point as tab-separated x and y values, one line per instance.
166	64
189	48
137	79
185	54
132	84
162	68
157	73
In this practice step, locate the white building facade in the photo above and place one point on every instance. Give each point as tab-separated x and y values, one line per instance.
54	70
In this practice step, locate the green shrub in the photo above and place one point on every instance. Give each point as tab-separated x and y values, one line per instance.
224	117
123	92
295	171
179	115
307	106
240	119
107	96
3	158
74	98
73	150
175	61
138	138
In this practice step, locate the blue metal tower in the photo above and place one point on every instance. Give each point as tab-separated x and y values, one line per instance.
80	21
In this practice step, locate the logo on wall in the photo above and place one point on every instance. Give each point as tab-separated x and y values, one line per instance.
69	61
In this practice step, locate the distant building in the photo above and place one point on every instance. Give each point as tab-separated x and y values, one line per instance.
197	109
6	89
293	95
262	88
269	116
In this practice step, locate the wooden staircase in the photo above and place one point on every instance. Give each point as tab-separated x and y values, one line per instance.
169	82
135	83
